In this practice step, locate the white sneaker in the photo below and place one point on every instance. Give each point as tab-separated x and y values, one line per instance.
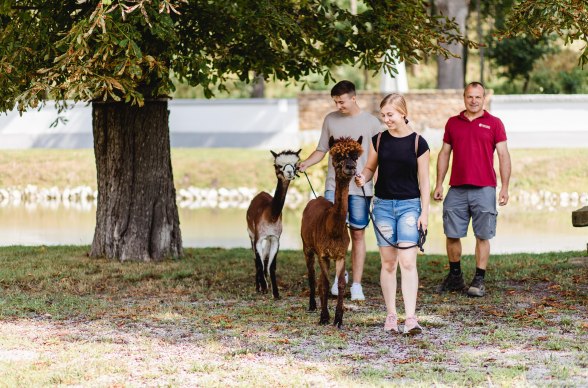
335	287
357	292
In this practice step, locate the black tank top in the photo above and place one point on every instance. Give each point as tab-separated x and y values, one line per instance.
397	166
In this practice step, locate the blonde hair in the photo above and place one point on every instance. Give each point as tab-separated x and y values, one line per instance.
398	102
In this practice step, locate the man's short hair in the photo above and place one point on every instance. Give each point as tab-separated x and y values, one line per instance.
343	87
474	84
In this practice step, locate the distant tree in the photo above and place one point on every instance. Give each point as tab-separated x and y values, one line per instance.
121	55
517	56
258	89
450	71
514	56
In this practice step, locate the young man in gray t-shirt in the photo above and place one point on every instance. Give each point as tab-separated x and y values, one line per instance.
348	120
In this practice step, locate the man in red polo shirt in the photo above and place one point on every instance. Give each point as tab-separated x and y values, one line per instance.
473	135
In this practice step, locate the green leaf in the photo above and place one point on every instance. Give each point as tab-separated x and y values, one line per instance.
136	49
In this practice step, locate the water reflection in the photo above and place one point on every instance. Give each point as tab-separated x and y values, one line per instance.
520	228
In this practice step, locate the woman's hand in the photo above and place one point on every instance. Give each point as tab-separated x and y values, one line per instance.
423	222
359	180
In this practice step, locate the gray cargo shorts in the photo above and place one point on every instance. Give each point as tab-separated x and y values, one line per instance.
463	203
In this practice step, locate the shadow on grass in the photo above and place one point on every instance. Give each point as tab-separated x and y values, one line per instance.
181	322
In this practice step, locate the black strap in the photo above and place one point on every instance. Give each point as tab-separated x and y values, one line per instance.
422	234
416	144
310	184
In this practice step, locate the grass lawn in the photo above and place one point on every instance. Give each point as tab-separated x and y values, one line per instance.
68	320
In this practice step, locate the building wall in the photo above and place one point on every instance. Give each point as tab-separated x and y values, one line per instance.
427	109
531	121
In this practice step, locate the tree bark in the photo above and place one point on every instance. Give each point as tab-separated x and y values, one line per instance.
136	217
258	90
450	72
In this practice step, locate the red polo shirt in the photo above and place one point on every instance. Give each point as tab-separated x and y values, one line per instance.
473	144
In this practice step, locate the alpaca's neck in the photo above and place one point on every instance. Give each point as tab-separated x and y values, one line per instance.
339	210
279	198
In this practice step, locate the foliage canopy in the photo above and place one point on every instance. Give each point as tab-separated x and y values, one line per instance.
566	18
128	50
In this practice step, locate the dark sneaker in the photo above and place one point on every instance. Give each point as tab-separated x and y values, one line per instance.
477	287
452	283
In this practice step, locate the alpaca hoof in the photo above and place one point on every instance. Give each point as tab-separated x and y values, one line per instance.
338	320
323	322
277	297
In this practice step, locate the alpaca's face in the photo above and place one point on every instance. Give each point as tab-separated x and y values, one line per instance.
285	164
346	164
345	153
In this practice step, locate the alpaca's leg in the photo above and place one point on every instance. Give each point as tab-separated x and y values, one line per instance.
324	289
272	263
339	309
258	272
341	278
309	257
260	255
257	267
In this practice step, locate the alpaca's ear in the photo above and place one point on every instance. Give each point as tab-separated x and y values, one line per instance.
331	141
360	139
274	154
298	152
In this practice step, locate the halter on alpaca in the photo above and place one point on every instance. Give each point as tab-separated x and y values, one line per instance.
323	229
264	221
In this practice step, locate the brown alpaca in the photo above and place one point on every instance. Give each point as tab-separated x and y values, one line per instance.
264	221
324	231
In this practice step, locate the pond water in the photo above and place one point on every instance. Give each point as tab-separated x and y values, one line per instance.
521	228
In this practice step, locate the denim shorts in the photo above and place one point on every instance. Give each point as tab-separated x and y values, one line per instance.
397	220
463	203
357	215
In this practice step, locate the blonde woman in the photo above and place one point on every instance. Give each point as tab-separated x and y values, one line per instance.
400	206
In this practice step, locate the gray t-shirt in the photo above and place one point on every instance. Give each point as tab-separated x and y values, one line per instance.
338	125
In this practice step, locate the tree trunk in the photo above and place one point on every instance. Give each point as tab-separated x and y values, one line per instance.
137	217
258	90
450	72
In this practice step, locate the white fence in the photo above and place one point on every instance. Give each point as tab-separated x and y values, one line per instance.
532	121
246	123
537	121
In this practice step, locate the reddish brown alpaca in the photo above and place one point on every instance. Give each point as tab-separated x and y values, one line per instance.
264	221
324	232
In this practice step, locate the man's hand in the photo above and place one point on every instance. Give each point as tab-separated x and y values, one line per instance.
302	166
503	196
438	193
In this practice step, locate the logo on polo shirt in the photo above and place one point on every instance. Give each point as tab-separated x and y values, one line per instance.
484	126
